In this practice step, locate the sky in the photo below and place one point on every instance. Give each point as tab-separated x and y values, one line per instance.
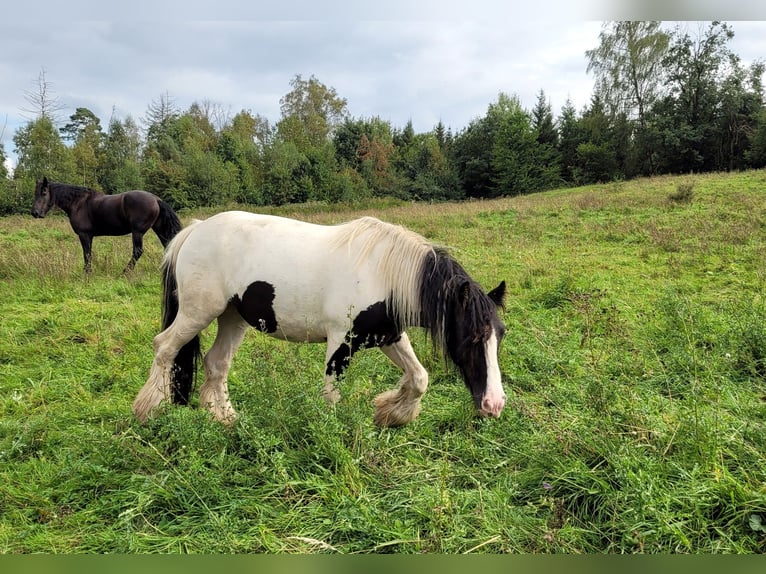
425	65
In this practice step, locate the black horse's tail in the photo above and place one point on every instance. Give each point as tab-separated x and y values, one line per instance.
167	225
185	364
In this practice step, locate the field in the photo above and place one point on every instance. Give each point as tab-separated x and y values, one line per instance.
635	366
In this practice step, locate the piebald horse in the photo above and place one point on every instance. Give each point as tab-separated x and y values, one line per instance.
354	285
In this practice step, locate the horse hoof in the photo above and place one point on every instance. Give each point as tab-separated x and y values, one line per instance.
331	396
393	410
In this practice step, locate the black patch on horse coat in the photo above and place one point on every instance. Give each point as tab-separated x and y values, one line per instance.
257	306
373	327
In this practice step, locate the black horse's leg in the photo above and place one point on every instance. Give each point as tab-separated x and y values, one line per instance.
86	241
138	250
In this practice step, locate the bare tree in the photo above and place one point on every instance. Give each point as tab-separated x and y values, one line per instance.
161	110
218	116
43	103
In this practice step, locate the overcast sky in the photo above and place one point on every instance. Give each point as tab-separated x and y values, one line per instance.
419	69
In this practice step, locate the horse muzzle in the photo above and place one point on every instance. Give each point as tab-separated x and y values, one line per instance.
492	406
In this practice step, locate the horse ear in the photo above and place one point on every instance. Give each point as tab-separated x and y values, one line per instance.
498	295
45	181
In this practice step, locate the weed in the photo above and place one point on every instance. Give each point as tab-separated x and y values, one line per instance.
684	192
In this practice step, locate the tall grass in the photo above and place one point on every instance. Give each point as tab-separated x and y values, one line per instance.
635	365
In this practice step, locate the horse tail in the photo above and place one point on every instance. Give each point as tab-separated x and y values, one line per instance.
167	224
185	363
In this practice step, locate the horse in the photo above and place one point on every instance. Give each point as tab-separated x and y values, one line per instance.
352	286
94	213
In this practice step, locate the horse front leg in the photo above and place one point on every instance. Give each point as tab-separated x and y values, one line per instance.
340	349
86	241
138	250
214	394
401	405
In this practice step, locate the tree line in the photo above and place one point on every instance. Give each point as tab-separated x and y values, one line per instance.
664	102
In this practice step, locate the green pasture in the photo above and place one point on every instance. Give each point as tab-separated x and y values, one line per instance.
635	366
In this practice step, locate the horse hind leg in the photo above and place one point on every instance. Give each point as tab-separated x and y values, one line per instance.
159	385
138	250
401	405
214	394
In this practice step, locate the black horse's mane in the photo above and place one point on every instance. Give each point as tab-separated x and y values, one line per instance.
75	189
66	193
446	285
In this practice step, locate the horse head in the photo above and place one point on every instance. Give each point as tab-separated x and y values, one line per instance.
43	198
473	337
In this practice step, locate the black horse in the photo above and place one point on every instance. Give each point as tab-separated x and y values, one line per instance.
93	213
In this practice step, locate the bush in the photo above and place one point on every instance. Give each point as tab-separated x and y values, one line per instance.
683	194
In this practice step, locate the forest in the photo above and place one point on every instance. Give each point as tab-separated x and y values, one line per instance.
664	102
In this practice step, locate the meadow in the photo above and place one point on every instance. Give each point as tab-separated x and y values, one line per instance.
634	363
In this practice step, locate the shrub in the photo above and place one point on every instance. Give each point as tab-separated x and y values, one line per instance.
16	197
684	192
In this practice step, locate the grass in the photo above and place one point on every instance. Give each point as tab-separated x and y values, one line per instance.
635	364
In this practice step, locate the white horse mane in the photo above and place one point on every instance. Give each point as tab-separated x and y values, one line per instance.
400	264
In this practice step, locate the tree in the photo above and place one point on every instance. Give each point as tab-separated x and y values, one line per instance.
472	156
84	130
596	155
119	169
365	148
571	135
542	122
241	143
423	171
405	136
42	100
159	115
629	73
310	113
741	101
14	198
547	137
286	176
214	113
41	152
3	168
689	116
82	121
756	155
627	65
208	180
162	166
520	164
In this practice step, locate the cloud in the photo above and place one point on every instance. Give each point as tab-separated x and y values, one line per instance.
417	69
400	70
